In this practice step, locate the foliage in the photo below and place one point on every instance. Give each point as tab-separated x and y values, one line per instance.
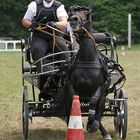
111	18
108	16
11	13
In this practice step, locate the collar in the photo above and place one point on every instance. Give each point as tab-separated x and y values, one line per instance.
46	4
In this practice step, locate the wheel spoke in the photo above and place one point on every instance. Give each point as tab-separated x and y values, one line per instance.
120	121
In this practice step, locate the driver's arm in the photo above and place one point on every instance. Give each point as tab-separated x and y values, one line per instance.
29	15
62	23
62	18
26	23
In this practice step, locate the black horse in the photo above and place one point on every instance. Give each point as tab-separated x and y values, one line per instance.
87	76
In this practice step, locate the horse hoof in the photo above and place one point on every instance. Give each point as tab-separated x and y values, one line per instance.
93	127
107	137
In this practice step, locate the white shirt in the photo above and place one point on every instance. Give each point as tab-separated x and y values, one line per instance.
32	8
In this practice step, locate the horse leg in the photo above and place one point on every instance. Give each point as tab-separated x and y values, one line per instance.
104	132
93	124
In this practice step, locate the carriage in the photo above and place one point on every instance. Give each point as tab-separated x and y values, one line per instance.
34	105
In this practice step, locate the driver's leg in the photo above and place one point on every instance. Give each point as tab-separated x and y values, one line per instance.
61	46
39	49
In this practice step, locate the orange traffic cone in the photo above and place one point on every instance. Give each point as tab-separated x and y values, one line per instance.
75	129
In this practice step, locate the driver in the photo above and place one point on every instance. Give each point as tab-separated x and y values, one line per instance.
54	14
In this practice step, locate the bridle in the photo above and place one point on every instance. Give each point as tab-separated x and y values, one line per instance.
75	12
79	17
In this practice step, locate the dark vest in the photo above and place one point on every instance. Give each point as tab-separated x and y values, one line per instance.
45	14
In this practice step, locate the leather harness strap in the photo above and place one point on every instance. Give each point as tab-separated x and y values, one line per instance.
88	65
41	29
89	34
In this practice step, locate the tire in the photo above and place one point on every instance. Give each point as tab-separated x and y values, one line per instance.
120	121
25	114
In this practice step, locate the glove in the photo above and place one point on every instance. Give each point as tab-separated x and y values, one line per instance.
34	24
52	24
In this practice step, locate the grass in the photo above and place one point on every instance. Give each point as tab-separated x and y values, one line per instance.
55	128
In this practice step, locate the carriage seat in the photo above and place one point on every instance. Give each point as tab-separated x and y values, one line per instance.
26	54
104	38
99	37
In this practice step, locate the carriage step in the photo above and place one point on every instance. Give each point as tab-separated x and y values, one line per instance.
49	113
46	109
119	99
29	68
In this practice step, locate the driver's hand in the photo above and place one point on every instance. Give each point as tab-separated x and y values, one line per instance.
34	24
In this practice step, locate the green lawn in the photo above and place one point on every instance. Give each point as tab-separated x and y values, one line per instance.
55	129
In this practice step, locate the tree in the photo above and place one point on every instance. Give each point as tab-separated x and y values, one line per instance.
112	16
108	16
11	13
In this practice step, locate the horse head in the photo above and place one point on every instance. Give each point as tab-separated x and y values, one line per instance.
79	17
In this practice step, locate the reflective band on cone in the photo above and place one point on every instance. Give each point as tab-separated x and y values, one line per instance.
75	122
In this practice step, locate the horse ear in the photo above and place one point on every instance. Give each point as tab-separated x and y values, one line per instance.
90	12
90	6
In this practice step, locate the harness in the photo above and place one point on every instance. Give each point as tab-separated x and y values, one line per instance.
87	65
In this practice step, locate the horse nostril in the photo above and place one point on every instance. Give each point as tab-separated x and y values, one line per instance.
75	19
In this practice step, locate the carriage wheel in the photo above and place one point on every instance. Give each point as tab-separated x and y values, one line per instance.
120	121
25	114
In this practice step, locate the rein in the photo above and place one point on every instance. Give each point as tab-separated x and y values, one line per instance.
89	34
41	29
87	65
54	42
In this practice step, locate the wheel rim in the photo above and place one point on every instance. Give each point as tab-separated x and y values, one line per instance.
25	114
120	122
123	120
25	122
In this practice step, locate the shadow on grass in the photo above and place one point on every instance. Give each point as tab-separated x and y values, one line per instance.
35	134
42	129
49	134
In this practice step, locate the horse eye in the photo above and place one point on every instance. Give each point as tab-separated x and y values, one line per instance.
84	19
